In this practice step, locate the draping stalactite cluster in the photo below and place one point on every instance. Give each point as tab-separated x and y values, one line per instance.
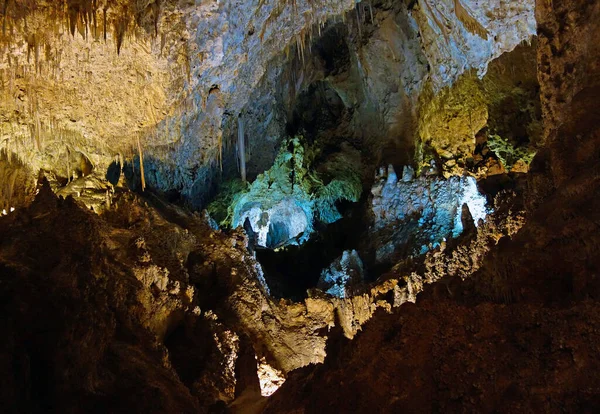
465	17
16	184
312	18
59	56
85	17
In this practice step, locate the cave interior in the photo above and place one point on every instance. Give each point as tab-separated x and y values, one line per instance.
300	206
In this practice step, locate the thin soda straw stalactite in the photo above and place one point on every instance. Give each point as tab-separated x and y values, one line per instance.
242	148
141	154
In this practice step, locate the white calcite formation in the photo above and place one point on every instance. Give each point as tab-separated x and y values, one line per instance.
459	35
346	271
285	222
188	82
423	211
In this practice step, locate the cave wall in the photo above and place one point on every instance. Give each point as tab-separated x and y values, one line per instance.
243	69
355	82
459	126
567	62
378	69
569	73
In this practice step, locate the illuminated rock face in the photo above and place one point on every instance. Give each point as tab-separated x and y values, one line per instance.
282	205
346	271
462	34
422	211
284	223
179	85
270	378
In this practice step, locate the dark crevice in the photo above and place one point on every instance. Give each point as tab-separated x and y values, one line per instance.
291	271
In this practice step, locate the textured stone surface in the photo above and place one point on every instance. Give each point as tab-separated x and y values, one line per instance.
188	292
519	335
178	85
500	113
285	203
84	319
339	278
148	308
453	47
420	213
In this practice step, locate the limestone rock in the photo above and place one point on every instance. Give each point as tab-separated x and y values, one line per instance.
425	211
346	271
452	46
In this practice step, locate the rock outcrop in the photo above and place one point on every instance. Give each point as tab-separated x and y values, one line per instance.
346	272
462	34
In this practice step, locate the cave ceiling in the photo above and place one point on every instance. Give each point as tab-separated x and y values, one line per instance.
168	78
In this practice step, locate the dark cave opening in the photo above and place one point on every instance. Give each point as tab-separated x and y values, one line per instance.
320	114
332	48
113	173
291	271
189	361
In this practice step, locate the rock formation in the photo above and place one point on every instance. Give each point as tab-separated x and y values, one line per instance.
318	279
515	336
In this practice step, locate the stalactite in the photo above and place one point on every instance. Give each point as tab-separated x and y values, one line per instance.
4	12
68	165
277	10
444	29
35	126
141	155
156	11
242	147
81	25
358	20
470	23
120	29
121	164
104	22
300	46
72	21
94	21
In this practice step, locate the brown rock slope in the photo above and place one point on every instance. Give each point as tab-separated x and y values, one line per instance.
74	323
